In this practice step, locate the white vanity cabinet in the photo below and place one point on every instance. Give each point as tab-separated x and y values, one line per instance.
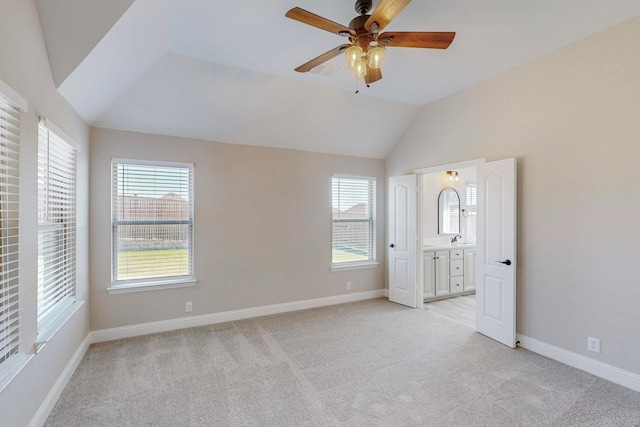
442	273
436	273
446	272
456	270
469	269
429	274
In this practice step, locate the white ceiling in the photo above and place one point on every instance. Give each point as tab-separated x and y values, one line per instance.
223	70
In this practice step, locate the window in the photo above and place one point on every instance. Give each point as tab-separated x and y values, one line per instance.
56	224
353	230
472	198
471	211
152	224
9	251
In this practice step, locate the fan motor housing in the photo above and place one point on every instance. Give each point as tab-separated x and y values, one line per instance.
362	37
363	6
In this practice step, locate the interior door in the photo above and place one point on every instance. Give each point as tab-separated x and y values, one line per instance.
496	251
402	250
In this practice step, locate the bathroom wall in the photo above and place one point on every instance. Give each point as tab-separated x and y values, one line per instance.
432	185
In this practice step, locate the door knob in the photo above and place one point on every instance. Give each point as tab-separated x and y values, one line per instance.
392	245
505	262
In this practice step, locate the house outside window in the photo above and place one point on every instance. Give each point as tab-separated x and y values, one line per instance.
353	221
152	224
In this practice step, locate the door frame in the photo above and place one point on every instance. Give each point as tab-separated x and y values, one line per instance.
419	173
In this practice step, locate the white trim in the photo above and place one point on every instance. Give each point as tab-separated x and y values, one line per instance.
350	266
13	96
595	367
11	367
458	165
386	293
150	286
61	134
370	178
50	401
56	323
160	163
227	316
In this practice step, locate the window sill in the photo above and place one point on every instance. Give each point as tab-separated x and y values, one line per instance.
51	327
10	368
354	266
155	285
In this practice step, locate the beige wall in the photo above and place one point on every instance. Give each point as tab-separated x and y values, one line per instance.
572	120
262	227
24	66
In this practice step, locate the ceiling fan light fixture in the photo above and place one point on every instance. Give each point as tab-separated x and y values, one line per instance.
359	68
365	48
376	56
354	54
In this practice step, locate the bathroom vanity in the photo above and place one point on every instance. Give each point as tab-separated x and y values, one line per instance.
448	271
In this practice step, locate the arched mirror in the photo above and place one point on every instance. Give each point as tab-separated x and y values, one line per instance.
448	211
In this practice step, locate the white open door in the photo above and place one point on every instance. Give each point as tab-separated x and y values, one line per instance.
402	250
496	251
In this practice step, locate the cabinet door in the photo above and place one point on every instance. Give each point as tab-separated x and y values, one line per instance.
442	273
455	284
428	263
469	269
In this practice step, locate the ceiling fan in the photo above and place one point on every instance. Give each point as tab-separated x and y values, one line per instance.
366	48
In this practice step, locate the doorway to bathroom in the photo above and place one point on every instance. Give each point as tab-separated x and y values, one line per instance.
494	269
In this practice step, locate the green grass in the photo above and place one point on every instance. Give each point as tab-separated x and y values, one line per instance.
175	262
348	255
153	263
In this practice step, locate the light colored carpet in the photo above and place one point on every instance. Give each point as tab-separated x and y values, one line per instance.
371	363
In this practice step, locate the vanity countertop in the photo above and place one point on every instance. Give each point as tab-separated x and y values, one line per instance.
448	247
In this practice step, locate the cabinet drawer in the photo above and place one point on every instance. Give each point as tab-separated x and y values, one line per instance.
455	284
456	254
456	267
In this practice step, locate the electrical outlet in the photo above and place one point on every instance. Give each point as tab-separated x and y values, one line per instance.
593	344
348	286
188	307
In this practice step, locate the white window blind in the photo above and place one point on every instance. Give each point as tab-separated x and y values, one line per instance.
152	218
353	230
56	225
472	199
9	251
471	212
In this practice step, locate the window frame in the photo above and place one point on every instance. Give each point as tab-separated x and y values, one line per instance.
15	358
371	262
61	310
119	286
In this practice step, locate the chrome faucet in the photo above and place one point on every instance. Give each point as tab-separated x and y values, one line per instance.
454	239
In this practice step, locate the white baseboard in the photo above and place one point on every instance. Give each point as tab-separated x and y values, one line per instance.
595	367
226	316
386	293
50	401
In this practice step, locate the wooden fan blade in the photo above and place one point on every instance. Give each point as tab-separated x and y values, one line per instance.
314	20
373	75
385	12
322	58
440	40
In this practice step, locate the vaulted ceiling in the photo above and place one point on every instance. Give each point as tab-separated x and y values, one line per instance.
223	70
